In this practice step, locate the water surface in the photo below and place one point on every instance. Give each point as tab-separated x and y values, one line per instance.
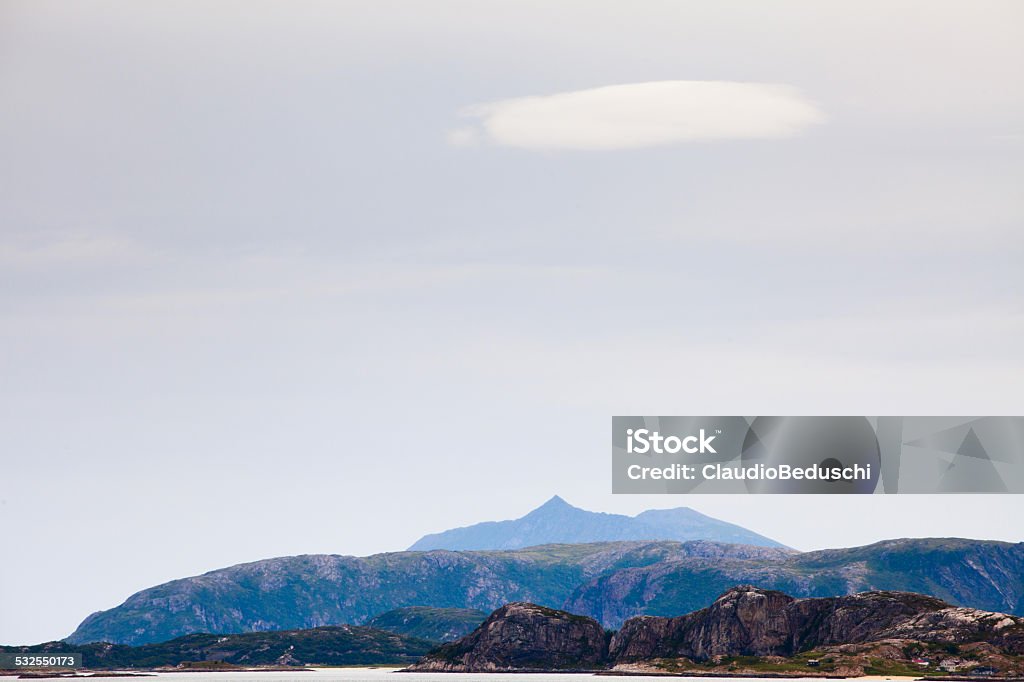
389	675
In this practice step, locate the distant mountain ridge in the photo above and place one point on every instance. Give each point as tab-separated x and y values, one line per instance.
610	582
557	521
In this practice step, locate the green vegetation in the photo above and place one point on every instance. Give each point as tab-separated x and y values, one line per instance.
798	663
430	623
329	646
657	578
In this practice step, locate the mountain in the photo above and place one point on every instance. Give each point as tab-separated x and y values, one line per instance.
986	575
524	637
556	521
312	590
854	634
338	645
749	621
610	582
430	623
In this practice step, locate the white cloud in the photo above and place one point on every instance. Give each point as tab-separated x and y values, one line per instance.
635	115
463	137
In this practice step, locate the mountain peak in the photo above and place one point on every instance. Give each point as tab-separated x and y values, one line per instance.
555	502
558	522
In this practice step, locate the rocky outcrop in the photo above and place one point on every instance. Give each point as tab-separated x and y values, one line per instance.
749	621
744	621
960	626
523	637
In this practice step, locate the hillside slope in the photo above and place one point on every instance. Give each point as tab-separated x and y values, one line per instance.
428	622
610	582
984	575
336	645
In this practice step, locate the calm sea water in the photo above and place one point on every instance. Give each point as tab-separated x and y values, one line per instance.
386	675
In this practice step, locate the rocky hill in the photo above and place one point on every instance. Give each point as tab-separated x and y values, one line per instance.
609	582
426	622
885	629
749	621
524	637
557	521
337	645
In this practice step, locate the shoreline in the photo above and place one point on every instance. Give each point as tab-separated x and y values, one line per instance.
751	676
153	672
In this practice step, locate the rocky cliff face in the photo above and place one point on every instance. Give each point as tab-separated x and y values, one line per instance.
748	621
744	621
523	637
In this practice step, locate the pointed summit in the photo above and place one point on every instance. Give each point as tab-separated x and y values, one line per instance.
554	511
558	522
554	503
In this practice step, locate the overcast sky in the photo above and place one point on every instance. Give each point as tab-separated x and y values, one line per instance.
294	277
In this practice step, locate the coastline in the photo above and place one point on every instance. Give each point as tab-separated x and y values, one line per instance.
156	672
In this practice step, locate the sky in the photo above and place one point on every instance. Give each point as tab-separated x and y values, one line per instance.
297	277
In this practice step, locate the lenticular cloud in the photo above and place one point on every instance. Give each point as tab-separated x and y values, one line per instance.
637	115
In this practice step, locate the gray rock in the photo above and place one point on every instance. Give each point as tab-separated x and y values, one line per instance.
749	621
523	637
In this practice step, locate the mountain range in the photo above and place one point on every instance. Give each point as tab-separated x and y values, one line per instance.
558	522
610	582
747	631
